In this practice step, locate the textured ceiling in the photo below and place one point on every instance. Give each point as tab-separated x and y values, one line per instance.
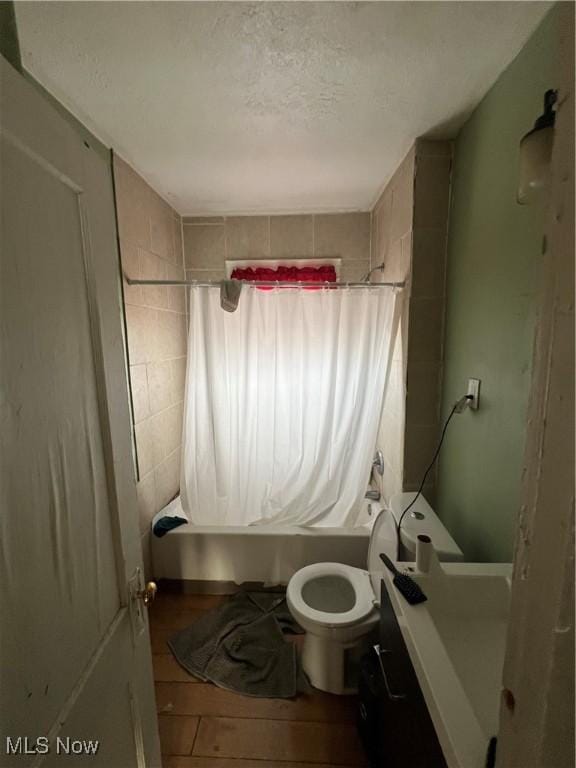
270	107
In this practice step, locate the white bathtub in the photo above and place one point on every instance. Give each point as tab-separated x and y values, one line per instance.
264	554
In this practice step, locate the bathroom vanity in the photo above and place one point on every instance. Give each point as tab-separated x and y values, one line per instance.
393	718
430	697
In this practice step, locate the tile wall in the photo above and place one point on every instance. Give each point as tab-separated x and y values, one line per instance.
210	241
392	222
409	233
150	233
427	311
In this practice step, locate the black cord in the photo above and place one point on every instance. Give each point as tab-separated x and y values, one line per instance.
445	427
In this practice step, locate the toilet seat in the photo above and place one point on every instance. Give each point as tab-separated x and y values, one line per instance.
357	578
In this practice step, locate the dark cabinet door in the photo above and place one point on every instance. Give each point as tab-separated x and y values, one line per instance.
394	721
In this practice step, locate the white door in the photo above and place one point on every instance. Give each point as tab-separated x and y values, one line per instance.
74	648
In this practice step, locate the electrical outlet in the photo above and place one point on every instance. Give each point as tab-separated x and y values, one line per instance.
474	390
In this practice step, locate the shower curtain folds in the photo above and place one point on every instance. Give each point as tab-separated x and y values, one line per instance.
283	401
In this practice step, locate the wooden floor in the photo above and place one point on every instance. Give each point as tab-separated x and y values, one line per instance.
203	726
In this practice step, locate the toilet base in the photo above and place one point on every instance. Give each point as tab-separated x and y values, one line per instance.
332	665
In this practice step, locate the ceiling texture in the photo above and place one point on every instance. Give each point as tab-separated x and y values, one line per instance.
270	107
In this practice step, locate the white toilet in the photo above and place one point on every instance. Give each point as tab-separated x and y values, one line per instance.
337	604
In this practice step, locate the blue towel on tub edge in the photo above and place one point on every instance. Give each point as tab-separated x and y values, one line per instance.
170	517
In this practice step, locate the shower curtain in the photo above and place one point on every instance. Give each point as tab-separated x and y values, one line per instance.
283	401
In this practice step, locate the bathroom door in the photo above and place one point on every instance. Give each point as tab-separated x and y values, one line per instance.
75	663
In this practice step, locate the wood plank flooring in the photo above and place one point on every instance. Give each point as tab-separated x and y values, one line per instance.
203	726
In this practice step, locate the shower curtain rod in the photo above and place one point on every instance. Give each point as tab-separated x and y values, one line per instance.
267	284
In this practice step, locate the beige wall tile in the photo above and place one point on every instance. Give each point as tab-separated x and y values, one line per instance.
203	219
167	426
177	299
152	267
133	200
400	351
423	393
176	295
392	435
142	324
407	245
130	259
247	237
148	446
171	338
146	489
172	438
389	484
419	446
205	274
402	209
432	191
167	479
395	401
178	246
174	271
159	377
178	370
151	247
395	266
291	237
392	223
342	234
429	258
204	246
425	331
354	271
161	228
140	401
381	228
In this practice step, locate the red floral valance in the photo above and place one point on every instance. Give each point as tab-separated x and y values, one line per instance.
325	274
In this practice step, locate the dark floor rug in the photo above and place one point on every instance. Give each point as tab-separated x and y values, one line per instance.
240	646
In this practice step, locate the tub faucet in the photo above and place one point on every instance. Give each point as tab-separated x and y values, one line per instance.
372	494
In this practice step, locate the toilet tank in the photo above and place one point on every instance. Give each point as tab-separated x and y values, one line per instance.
384	537
421	519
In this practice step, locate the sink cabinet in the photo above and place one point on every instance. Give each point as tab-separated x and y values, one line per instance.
393	720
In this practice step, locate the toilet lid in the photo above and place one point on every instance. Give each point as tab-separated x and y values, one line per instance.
382	539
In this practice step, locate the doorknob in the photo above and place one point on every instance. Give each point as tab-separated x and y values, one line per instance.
141	595
147	594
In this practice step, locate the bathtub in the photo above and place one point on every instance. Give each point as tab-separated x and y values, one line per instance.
269	555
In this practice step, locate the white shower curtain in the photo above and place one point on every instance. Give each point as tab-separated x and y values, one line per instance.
283	401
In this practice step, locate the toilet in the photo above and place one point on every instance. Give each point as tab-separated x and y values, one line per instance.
337	604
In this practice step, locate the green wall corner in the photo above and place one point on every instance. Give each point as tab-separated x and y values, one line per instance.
9	45
494	256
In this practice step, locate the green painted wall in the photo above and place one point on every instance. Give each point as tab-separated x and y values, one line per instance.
494	253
